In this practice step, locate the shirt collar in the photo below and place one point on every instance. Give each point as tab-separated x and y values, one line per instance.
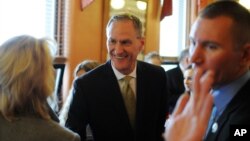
224	95
119	75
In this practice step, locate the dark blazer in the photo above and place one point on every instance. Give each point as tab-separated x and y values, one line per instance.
175	86
237	112
97	100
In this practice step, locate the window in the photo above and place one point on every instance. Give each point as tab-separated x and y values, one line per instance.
32	17
38	18
173	30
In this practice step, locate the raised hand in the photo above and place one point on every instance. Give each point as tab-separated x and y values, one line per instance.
190	118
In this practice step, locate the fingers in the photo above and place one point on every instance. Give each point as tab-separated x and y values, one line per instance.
203	82
182	102
196	97
207	108
207	81
196	83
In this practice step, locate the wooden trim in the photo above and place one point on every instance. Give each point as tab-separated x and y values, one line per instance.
60	60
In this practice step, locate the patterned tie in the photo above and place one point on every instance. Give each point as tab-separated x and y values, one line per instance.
129	99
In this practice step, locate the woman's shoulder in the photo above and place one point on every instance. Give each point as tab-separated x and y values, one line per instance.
33	128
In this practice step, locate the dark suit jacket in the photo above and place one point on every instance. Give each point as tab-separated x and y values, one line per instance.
98	101
236	113
175	86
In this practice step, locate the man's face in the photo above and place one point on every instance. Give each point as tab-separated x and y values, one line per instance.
212	48
123	44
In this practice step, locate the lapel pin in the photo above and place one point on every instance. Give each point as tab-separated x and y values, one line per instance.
214	127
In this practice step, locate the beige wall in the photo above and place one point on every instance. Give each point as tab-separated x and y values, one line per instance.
152	26
84	37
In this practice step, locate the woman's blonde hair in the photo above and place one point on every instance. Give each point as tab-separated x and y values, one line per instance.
26	76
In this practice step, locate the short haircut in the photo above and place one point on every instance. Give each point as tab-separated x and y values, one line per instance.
184	53
86	65
239	14
151	55
127	17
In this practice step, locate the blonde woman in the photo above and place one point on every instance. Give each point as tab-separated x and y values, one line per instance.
26	80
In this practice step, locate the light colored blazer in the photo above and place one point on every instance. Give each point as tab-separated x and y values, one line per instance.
34	129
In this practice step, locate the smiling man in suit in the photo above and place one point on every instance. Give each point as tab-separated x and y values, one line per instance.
98	98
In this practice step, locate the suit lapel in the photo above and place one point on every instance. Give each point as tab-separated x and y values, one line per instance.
114	93
240	97
139	85
142	94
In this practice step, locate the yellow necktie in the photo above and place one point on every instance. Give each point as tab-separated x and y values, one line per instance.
129	99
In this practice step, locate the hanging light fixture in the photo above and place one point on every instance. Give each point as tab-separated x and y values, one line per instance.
141	5
117	4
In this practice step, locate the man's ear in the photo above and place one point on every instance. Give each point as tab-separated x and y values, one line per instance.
246	54
142	42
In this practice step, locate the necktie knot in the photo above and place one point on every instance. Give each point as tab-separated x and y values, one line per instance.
126	87
127	79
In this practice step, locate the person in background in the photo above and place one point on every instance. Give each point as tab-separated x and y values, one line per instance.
82	68
188	77
153	58
220	43
175	79
99	98
27	79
